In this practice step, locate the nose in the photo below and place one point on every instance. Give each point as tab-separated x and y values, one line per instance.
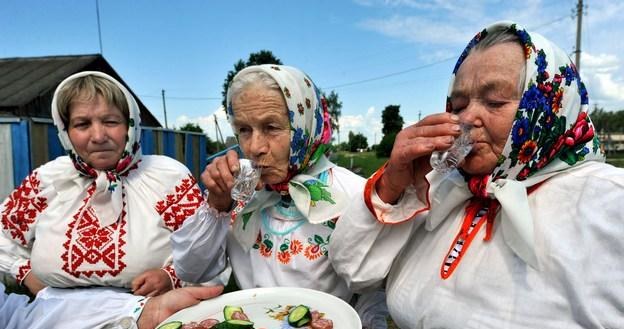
258	145
472	114
98	133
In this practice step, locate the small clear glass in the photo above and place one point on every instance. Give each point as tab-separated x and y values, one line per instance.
245	181
445	161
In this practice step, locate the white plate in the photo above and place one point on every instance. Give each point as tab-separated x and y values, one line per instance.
258	303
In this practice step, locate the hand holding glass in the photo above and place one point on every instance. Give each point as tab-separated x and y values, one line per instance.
445	161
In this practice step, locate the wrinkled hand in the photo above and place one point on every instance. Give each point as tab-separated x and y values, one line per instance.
218	177
151	283
409	160
161	307
32	282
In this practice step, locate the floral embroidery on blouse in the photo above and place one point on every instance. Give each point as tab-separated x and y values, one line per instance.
91	249
178	206
22	207
313	247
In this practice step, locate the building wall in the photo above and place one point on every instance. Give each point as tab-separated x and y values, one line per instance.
26	144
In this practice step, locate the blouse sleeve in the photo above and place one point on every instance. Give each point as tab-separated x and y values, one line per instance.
199	245
19	213
363	245
73	308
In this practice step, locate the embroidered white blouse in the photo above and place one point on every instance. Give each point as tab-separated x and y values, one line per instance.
42	230
289	251
578	234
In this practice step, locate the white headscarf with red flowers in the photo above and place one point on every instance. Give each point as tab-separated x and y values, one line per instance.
107	199
310	135
551	133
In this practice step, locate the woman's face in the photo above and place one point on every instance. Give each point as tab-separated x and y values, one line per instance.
98	132
261	122
486	94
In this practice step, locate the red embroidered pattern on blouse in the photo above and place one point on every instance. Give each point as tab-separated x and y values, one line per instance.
22	208
22	272
90	246
175	281
180	205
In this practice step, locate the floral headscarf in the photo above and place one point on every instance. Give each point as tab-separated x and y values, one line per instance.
310	135
551	133
107	198
552	130
310	131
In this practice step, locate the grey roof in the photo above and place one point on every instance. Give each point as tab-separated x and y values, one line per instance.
27	83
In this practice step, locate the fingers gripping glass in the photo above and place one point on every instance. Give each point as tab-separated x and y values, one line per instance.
244	184
445	161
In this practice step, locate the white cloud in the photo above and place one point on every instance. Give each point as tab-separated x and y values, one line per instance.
418	30
602	75
368	124
207	123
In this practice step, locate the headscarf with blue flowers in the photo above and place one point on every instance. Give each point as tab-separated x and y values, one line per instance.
551	133
310	135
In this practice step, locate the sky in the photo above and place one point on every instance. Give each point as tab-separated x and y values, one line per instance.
373	53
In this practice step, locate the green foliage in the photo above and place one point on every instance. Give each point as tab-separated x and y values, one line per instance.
607	121
391	119
356	142
194	127
364	163
257	58
334	107
385	146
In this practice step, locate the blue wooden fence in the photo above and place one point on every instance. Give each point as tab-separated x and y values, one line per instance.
26	144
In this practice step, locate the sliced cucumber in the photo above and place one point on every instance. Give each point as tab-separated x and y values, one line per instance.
171	325
229	310
235	324
299	316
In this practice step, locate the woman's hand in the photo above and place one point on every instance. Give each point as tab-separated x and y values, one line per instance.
151	283
160	308
218	177
32	282
409	160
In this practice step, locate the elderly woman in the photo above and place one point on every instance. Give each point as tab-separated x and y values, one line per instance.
526	234
102	215
280	238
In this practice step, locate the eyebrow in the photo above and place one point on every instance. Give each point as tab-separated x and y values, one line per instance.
489	87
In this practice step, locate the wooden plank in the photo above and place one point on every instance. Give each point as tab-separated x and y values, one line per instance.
179	146
55	149
38	143
169	144
21	151
189	150
147	141
6	161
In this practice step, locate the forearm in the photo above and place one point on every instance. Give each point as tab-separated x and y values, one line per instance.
199	246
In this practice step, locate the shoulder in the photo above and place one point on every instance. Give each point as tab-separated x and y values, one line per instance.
598	174
342	173
162	163
159	174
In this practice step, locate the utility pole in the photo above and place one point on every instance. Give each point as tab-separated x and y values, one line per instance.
579	18
164	108
218	134
97	11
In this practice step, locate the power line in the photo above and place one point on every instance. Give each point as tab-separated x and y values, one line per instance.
385	76
389	74
184	98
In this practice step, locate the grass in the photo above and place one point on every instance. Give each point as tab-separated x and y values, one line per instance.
362	163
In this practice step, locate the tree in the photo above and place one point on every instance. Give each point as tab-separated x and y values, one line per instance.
334	107
194	127
392	123
357	141
211	146
260	57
